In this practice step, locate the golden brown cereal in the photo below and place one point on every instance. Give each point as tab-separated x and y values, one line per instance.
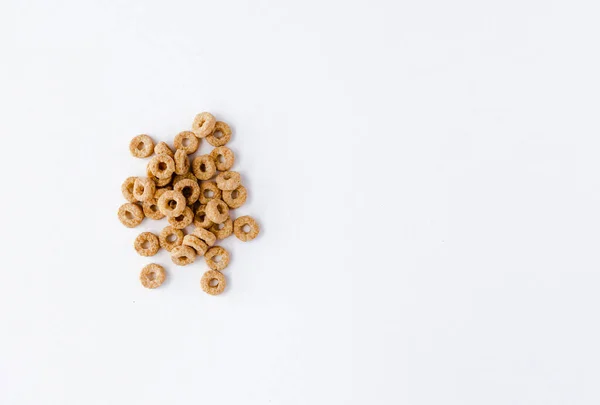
195	243
182	163
141	146
222	129
208	191
216	258
171	203
127	189
186	141
183	255
170	237
235	198
143	189
151	206
213	282
130	215
157	181
152	275
205	235
228	181
203	125
189	188
204	167
239	225
217	211
146	244
223	230
161	166
162	148
200	219
183	220
223	157
178	178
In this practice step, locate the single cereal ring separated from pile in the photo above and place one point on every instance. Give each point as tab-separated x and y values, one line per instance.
183	220
180	177
223	157
205	235
141	146
186	141
223	230
150	207
182	163
189	188
203	125
227	181
146	244
224	130
204	167
200	219
131	215
170	238
238	228
235	198
217	211
161	166
171	203
162	148
127	189
195	243
183	255
208	191
152	275
212	253
144	189
213	282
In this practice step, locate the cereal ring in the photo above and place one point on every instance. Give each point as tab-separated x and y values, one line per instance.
171	203
162	148
189	188
186	141
161	166
157	181
204	167
182	163
183	255
208	191
152	275
214	253
143	189
180	177
223	230
141	146
203	125
127	189
217	211
220	128
170	237
146	244
227	181
213	282
205	235
151	207
240	224
183	220
223	157
131	215
235	198
200	219
195	243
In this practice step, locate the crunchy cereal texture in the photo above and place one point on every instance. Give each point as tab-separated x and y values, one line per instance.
141	146
171	203
180	177
182	162
190	190
144	189
217	211
150	207
208	191
204	167
238	228
223	157
183	220
165	236
152	276
203	125
161	166
127	189
187	141
131	215
235	198
223	230
146	244
227	181
205	235
200	219
162	148
213	282
216	252
183	255
195	243
221	129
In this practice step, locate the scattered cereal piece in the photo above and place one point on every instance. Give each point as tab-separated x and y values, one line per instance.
127	189
227	181
152	275
216	258
217	211
204	167
141	146
223	157
213	282
171	203
143	189
195	243
241	232
235	198
189	188
186	141
221	129
161	166
183	255
182	163
205	235
146	244
200	219
131	215
203	125
223	230
162	148
170	238
183	220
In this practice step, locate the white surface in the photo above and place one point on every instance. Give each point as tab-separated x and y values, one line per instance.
426	175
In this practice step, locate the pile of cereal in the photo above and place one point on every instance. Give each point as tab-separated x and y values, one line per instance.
198	194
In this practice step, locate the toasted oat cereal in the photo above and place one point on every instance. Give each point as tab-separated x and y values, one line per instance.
208	191
245	228
217	211
227	181
220	135
183	255
146	244
183	220
203	125
153	275
182	163
213	282
179	177
150	207
131	215
200	219
223	230
205	235
223	157
127	189
204	167
143	189
171	203
170	237
216	258
161	166
141	146
195	243
235	198
190	190
156	180
187	141
162	148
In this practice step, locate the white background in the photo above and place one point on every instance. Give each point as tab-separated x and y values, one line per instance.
426	175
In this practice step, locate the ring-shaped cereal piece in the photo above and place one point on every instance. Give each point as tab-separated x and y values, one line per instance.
162	148
223	157
195	243
182	163
217	211
183	255
170	238
141	146
227	181
172	203
214	252
156	180
161	166
205	235
186	141
146	244
224	130
144	189
203	125
183	220
240	233
153	275
151	207
235	198
208	191
223	230
190	190
200	219
213	282
179	177
127	189
204	167
131	215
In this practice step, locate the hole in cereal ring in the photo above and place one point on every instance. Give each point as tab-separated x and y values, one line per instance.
221	159
145	244
140	146
202	167
234	194
187	191
220	209
218	134
171	238
227	176
180	218
221	226
153	208
217	258
183	258
162	166
185	142
139	189
151	276
128	215
213	282
172	204
246	228
209	194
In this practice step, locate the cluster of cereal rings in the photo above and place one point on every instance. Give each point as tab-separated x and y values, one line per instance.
185	193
